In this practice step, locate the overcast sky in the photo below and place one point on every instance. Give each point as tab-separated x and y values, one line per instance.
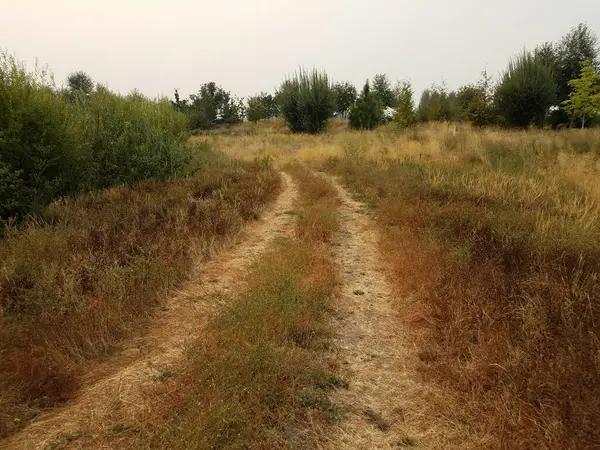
249	46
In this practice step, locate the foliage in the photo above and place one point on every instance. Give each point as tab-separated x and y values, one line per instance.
213	105
577	46
382	90
584	100
526	92
565	59
366	113
475	102
437	105
260	107
405	105
80	82
306	101
345	96
52	147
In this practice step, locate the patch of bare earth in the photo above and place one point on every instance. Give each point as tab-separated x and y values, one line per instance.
126	395
385	404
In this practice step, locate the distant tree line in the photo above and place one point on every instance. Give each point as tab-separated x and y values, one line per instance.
556	84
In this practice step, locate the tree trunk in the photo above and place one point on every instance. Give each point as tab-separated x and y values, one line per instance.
582	122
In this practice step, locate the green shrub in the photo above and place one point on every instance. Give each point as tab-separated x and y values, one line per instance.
260	107
132	138
526	92
366	113
58	143
307	101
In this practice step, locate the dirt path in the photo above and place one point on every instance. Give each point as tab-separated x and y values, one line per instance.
122	398
370	346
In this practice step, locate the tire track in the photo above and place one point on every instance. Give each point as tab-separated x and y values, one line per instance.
368	341
126	394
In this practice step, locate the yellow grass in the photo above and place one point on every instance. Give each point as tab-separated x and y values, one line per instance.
503	232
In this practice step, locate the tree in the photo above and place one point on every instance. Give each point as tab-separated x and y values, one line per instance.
80	82
345	96
566	59
577	46
547	54
306	101
382	89
423	108
584	100
437	105
214	105
366	113
475	102
178	104
261	107
526	92
405	105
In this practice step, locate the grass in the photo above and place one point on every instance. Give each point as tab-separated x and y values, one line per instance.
498	243
377	419
91	271
259	377
492	237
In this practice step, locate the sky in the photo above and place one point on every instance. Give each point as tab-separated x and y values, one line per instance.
250	46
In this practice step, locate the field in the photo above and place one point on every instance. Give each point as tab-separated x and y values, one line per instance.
430	287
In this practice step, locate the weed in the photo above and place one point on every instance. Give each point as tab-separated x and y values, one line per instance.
497	253
164	376
93	270
408	441
117	428
377	419
259	376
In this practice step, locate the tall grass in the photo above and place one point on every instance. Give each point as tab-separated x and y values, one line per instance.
492	237
89	271
260	379
500	246
55	143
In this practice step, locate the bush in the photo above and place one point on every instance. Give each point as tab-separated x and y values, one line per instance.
53	145
307	101
526	92
132	138
366	113
260	107
212	106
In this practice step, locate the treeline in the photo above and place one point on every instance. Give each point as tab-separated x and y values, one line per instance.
62	141
556	84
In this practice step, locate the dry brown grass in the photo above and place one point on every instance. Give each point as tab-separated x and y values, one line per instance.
501	250
259	377
493	235
92	271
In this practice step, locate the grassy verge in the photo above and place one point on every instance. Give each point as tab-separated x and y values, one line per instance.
91	270
500	249
260	379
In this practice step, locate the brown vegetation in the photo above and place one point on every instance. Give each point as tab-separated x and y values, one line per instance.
492	236
259	377
91	271
499	244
